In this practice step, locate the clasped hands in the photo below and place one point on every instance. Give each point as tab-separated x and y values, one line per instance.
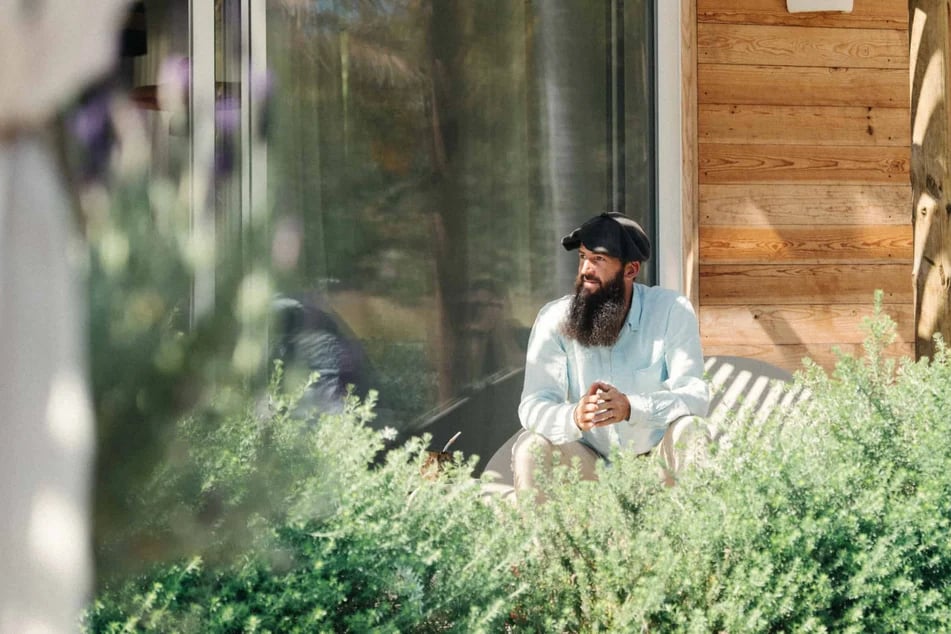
603	405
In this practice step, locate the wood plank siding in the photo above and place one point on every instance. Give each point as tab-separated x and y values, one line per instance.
803	195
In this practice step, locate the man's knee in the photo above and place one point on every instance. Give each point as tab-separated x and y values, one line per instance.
530	445
684	442
528	450
533	453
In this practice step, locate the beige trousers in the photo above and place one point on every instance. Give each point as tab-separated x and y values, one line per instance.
530	448
683	443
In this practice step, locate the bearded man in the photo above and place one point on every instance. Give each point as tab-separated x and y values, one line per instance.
611	365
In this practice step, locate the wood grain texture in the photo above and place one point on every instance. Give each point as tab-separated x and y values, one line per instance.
803	125
796	46
807	324
690	139
823	244
802	86
742	284
734	163
790	357
866	14
810	205
931	170
804	196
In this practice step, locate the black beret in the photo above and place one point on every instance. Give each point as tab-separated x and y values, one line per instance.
613	234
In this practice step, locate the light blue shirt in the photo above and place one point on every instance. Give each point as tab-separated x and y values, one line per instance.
656	362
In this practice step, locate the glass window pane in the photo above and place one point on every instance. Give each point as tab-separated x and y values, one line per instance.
425	159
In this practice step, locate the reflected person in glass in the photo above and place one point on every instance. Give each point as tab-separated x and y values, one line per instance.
611	365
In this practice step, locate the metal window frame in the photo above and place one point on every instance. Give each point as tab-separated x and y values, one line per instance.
203	49
670	168
254	146
201	108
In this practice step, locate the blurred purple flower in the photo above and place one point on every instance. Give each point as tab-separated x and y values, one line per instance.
228	115
90	125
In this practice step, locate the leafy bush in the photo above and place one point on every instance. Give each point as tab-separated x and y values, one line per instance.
300	525
154	354
832	515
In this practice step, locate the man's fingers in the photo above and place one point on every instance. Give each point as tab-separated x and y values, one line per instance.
604	415
600	407
610	394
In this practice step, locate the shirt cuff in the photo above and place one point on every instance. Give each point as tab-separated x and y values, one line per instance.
641	408
571	431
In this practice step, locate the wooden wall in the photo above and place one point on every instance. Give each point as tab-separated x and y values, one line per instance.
803	196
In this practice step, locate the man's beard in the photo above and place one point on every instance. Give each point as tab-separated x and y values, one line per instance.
595	318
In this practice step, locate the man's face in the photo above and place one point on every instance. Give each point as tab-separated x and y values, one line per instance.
600	302
595	270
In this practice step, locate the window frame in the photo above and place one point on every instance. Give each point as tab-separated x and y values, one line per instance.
670	247
201	106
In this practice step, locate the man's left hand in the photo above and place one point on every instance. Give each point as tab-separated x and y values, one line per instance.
604	405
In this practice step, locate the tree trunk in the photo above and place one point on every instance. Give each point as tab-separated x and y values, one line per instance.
930	179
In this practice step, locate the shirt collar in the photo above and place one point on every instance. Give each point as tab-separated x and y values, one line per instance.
637	304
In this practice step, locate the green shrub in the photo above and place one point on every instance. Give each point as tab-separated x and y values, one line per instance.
154	354
299	525
831	516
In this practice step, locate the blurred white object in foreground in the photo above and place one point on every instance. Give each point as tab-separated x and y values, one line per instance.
48	51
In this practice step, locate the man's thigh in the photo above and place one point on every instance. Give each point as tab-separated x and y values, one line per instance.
532	448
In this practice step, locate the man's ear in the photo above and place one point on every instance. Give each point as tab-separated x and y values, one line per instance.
631	269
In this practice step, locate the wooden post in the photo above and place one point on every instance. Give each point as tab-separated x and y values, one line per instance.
930	170
690	186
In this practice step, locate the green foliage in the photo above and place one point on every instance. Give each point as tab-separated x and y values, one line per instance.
154	354
831	516
297	524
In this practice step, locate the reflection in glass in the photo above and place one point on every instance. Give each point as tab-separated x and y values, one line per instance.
429	155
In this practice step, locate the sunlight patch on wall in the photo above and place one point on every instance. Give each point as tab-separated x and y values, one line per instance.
930	97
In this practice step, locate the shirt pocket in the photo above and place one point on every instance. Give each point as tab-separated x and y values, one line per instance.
647	380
